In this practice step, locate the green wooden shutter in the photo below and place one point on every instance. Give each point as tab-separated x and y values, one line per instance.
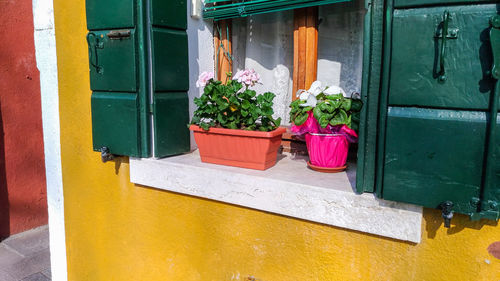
372	62
115	41
436	133
138	72
220	9
170	77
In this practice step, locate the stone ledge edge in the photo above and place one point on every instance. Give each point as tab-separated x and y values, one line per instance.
363	213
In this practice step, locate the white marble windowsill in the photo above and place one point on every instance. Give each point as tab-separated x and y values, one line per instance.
289	188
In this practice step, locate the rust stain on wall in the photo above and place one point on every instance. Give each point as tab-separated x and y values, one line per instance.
494	249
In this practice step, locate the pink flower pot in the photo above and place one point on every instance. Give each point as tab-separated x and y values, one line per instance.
327	150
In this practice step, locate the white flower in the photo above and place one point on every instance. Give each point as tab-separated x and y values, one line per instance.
310	95
303	94
334	90
316	88
204	78
311	101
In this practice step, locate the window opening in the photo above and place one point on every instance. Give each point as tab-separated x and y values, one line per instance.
292	49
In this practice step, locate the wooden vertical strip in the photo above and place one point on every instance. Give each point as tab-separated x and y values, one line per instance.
295	55
305	60
300	39
302	54
311	60
222	35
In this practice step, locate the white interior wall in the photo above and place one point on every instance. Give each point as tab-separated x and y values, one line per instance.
265	43
340	45
201	55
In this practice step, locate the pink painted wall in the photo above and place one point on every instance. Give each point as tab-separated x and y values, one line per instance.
23	198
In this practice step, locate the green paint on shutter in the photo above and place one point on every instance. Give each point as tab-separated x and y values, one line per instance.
372	60
170	121
110	14
115	123
169	13
117	76
170	78
416	3
433	156
125	38
433	134
115	62
414	80
219	9
170	60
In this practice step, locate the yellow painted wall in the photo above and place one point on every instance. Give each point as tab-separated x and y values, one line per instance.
118	231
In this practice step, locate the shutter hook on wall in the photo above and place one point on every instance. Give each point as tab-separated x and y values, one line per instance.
94	43
442	72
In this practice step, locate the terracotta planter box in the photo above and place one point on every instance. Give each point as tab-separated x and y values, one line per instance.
239	148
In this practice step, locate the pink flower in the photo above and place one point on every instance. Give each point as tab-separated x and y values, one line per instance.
248	77
204	78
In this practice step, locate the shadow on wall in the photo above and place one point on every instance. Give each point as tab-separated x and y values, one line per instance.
4	196
434	221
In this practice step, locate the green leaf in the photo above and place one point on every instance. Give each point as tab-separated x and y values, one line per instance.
336	121
307	109
335	97
221	118
336	104
326	107
255	112
356	105
252	127
277	122
208	88
196	119
234	100
356	116
198	102
269	96
260	99
232	125
205	126
245	104
296	103
317	113
223	106
349	122
323	121
321	96
300	119
267	110
346	104
343	115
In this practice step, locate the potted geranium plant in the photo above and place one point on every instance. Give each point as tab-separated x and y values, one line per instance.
233	125
329	122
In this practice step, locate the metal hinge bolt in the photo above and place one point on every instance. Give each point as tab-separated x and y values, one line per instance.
493	205
106	155
447	212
